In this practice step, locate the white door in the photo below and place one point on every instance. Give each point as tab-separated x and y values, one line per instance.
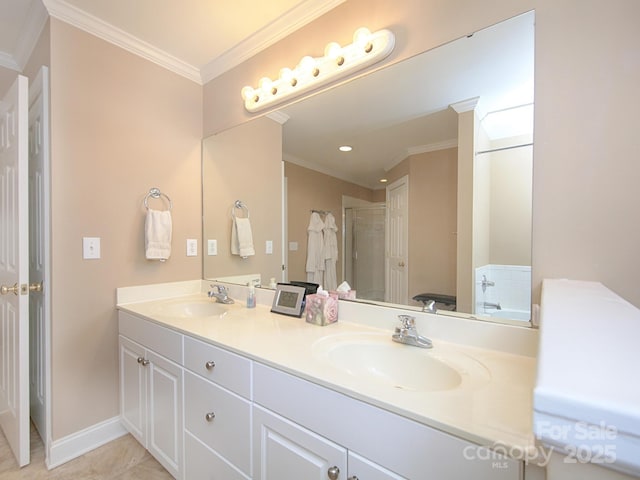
14	269
39	249
397	244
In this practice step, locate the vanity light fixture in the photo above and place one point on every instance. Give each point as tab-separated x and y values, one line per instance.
367	48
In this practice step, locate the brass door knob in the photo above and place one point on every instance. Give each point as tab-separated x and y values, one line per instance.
4	290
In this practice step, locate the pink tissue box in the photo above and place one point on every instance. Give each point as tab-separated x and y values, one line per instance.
321	310
350	295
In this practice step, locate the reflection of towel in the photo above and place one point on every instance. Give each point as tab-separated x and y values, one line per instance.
330	252
315	250
157	229
242	238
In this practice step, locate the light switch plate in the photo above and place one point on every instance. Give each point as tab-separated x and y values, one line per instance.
192	247
268	247
90	248
293	246
212	247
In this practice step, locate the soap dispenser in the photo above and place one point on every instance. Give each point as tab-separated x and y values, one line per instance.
251	296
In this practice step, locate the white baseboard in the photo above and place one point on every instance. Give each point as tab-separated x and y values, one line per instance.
83	441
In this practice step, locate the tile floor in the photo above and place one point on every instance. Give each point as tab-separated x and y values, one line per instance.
122	459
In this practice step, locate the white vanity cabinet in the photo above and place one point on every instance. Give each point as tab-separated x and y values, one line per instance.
378	444
217	394
151	389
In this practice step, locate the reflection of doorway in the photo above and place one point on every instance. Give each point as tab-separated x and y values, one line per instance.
397	241
364	250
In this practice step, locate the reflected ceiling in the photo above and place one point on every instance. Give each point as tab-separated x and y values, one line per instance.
499	71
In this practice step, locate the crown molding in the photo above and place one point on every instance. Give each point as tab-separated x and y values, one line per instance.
418	149
70	14
278	116
465	105
283	26
322	169
286	24
7	61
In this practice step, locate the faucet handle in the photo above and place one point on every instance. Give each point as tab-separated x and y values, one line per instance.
407	321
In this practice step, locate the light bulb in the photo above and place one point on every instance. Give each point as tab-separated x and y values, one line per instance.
332	50
361	37
307	64
265	84
247	92
286	74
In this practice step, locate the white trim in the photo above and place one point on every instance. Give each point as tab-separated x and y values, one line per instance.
83	441
7	61
288	23
465	105
74	16
431	147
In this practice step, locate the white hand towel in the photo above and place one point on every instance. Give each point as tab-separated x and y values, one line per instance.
242	238
157	229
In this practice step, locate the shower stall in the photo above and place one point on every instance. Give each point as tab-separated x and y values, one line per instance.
364	250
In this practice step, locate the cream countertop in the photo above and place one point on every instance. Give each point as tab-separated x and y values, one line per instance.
491	407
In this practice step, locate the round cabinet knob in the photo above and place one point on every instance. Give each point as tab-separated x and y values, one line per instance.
210	364
333	473
140	359
145	362
352	478
401	264
210	416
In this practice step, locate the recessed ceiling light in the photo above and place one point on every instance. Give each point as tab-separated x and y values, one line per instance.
383	180
345	148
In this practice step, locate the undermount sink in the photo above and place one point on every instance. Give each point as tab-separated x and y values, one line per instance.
191	308
374	356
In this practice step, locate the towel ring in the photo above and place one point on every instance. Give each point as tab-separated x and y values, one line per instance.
239	204
156	193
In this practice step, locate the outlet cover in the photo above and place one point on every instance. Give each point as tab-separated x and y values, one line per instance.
192	247
212	247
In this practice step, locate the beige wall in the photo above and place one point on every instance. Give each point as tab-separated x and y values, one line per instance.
586	170
432	222
120	125
244	163
310	190
511	197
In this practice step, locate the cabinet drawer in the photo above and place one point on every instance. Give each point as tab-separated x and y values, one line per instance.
202	463
161	340
229	432
228	369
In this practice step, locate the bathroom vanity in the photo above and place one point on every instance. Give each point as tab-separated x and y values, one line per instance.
236	393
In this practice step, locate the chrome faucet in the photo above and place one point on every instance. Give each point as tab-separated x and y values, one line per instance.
220	293
430	307
492	305
407	333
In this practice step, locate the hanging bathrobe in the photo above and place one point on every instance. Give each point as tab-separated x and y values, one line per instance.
330	252
315	250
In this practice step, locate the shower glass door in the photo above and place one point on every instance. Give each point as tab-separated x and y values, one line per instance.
364	251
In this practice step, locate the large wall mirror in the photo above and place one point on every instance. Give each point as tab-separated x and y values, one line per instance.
434	197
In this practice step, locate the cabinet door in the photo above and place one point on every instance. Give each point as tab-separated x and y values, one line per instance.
133	389
202	463
164	415
362	469
285	450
